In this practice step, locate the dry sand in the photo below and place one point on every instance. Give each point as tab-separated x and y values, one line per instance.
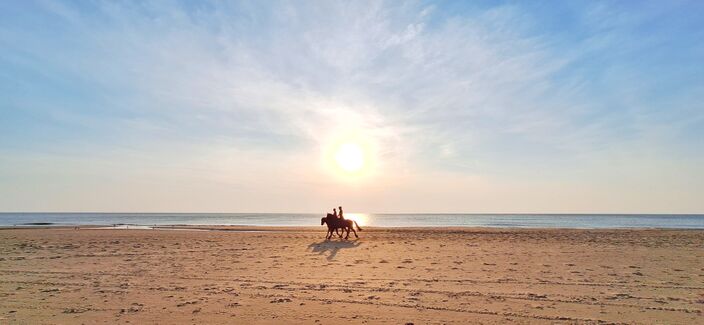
292	275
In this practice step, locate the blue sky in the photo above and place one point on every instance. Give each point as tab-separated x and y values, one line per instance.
232	106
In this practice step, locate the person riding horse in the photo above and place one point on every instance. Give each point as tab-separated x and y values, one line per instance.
334	223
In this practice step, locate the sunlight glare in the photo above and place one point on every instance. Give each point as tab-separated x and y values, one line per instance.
350	157
361	218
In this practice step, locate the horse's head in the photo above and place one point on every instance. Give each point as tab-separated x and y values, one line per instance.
322	220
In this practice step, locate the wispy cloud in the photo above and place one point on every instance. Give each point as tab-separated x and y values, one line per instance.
247	95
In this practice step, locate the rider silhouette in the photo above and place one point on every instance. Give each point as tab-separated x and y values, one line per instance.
341	216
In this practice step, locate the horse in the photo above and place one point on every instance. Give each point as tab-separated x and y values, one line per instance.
335	223
331	227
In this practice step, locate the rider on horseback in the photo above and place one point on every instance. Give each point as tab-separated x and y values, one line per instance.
338	222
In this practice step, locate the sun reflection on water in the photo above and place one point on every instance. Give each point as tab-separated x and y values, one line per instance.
361	218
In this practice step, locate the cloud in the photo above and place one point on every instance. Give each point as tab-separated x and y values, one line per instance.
249	94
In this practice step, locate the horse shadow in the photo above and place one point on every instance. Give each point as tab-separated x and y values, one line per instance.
332	247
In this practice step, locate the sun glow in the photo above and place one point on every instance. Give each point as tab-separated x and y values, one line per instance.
361	218
350	157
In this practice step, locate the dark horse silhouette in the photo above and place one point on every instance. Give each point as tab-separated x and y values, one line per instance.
335	223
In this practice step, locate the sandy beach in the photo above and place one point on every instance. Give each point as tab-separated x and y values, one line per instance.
394	276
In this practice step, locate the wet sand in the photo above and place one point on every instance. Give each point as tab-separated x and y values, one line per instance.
394	276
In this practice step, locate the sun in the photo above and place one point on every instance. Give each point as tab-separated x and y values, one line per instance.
350	157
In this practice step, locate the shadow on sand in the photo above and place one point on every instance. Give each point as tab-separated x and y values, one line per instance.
333	247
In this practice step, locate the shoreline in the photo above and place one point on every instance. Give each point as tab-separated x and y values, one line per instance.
254	228
417	220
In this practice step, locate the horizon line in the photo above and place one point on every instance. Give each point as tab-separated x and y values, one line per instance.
372	213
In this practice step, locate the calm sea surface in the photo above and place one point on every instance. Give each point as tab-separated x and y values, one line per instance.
692	221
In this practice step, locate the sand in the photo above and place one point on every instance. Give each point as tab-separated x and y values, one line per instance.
394	276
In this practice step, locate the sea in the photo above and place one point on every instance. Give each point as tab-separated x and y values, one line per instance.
577	221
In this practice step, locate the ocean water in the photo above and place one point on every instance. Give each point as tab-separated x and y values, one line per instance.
679	221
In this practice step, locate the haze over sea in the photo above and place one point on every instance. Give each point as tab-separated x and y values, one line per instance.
671	221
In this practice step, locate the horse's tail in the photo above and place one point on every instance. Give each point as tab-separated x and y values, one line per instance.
358	227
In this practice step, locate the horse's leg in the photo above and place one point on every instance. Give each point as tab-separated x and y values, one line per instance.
350	226
348	232
337	231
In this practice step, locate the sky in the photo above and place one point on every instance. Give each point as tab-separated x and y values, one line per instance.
225	106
